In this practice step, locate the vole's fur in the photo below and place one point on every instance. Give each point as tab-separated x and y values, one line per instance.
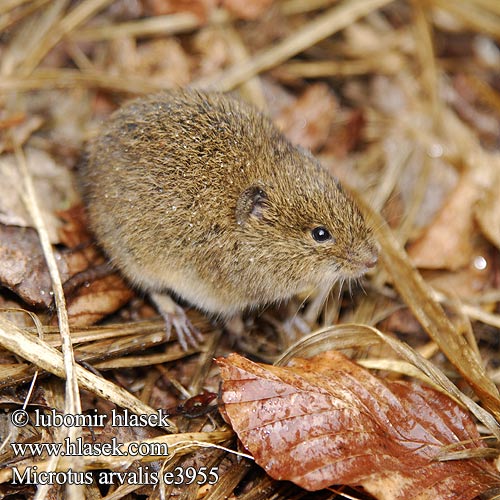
200	194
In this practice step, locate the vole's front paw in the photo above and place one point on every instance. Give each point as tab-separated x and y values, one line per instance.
175	316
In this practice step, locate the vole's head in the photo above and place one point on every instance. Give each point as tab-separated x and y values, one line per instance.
306	224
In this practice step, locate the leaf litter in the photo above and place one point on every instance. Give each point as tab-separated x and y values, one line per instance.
399	100
325	420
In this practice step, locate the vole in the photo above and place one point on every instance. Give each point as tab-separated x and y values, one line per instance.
199	194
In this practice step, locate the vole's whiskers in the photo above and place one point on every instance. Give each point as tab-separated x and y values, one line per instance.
324	306
341	287
350	287
359	282
301	305
306	298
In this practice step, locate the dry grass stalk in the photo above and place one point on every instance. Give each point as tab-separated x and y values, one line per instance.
72	394
68	78
159	25
320	28
50	359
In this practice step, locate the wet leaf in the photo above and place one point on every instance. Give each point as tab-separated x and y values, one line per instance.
328	421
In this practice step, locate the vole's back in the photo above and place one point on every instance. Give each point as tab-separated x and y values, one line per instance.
172	186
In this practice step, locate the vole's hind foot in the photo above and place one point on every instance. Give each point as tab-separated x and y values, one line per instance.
175	316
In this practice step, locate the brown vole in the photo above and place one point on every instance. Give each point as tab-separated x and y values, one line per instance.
201	195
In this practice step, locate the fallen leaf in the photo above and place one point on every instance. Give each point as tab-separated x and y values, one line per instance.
165	61
442	180
212	50
465	97
97	300
487	210
22	265
307	121
328	421
23	270
346	134
20	127
98	294
53	185
402	321
468	283
448	243
74	229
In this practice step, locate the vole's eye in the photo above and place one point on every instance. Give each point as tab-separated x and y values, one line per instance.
321	234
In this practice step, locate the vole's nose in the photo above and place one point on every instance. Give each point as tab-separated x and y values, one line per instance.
372	260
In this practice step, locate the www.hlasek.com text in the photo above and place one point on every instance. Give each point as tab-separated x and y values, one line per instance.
80	448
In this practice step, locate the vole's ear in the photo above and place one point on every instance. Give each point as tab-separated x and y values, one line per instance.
251	203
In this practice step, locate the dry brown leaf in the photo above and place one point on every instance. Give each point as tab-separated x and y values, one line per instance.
307	121
448	243
347	134
20	127
212	49
53	184
487	210
328	421
466	100
100	295
402	321
24	271
74	230
97	300
418	296
469	282
165	61
22	265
